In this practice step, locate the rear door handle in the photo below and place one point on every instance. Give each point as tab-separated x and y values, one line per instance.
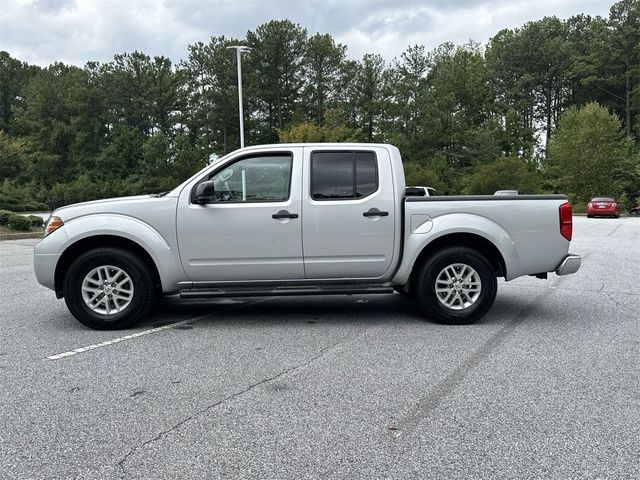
284	214
374	212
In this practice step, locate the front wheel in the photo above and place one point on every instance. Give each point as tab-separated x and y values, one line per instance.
109	288
456	286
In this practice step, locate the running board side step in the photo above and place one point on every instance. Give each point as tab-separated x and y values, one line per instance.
286	291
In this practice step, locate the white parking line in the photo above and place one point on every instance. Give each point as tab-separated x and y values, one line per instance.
116	340
230	304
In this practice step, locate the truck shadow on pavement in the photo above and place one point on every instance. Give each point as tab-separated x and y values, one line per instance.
278	311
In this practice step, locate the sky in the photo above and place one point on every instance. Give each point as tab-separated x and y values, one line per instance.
76	31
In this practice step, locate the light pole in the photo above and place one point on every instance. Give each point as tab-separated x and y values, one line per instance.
239	50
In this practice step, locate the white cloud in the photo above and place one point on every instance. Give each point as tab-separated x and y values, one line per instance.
432	25
76	31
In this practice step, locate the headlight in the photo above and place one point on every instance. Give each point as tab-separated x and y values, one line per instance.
52	225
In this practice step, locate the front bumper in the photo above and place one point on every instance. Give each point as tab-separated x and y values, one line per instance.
46	255
44	266
570	264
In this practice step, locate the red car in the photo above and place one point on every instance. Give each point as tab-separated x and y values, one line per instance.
603	207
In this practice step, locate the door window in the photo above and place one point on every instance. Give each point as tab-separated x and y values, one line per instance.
254	179
343	175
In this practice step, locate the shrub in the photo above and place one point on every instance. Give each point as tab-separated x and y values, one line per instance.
4	216
509	173
18	222
623	202
7	201
579	207
36	221
34	206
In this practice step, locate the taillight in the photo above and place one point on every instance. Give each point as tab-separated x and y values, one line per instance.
589	205
566	221
614	205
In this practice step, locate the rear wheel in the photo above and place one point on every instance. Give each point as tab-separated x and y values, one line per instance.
456	286
109	288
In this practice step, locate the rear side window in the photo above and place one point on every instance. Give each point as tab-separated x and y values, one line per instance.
343	175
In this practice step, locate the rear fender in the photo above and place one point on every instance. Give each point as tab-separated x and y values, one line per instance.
456	223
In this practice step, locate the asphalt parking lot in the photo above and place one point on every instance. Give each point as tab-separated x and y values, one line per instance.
546	386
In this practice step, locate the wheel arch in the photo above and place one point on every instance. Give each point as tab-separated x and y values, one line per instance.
101	241
462	239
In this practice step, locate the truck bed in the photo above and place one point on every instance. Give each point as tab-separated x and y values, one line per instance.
524	228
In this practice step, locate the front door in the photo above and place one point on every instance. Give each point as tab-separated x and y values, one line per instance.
251	229
349	213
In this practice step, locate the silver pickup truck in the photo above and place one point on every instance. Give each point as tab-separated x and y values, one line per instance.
299	219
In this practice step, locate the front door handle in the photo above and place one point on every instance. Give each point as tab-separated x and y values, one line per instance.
374	212
284	214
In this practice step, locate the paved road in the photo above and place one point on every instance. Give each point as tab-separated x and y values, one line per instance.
546	386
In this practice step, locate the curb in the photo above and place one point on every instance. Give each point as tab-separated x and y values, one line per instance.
20	236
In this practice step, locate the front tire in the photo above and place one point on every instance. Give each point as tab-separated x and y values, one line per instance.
109	288
456	286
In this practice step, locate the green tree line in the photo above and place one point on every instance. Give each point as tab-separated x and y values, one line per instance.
553	105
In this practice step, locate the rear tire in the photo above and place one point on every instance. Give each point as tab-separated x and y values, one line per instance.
589	216
91	286
456	286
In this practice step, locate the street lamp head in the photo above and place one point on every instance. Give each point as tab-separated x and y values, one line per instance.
239	48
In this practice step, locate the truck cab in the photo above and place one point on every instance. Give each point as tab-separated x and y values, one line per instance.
250	225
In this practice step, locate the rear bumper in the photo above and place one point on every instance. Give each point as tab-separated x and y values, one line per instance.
570	264
603	211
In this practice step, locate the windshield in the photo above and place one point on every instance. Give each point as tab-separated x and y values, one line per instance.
602	199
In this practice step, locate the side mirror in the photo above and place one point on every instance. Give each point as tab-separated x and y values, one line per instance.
205	192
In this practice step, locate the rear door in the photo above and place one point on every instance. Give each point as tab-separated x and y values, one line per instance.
348	224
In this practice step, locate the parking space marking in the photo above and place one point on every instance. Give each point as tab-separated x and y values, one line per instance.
115	340
231	306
